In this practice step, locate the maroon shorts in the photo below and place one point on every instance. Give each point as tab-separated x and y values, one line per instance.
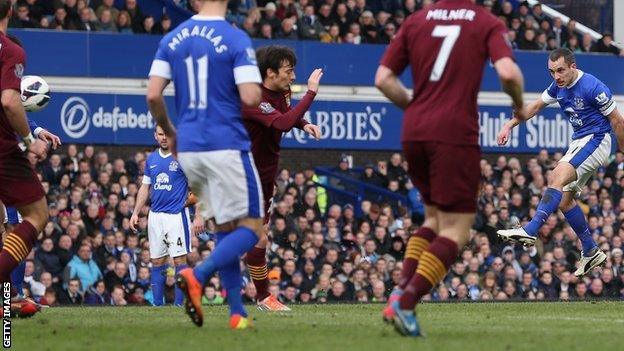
446	175
19	184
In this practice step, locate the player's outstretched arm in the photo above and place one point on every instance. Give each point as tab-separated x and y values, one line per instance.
617	124
391	86
531	110
140	201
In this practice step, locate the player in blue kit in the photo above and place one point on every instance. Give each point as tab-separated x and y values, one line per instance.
591	110
213	67
169	222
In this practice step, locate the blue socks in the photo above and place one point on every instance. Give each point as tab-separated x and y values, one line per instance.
577	221
179	295
17	278
228	251
549	204
231	280
157	281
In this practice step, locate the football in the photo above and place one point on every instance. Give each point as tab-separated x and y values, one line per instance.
35	93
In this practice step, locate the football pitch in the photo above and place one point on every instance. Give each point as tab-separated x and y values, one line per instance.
453	326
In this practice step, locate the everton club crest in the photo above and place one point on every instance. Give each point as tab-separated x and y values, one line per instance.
579	104
173	166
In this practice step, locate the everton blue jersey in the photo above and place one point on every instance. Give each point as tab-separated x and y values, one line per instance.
585	102
168	183
206	57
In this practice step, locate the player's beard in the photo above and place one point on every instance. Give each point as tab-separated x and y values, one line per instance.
164	147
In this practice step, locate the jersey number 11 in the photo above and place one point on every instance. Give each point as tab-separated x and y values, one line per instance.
199	87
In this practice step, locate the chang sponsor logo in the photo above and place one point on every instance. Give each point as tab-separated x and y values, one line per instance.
162	182
77	118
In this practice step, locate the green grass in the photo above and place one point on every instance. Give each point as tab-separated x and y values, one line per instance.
491	326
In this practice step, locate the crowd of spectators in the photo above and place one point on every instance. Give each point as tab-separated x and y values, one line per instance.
320	251
331	21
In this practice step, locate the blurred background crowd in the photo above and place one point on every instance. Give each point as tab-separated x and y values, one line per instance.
321	250
331	21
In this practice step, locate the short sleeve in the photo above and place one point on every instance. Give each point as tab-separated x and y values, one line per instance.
245	64
147	179
549	96
161	66
13	62
396	57
601	98
498	44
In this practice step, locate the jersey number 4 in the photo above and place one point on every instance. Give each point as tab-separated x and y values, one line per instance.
197	84
450	35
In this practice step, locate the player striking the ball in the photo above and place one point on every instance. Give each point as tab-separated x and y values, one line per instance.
213	67
446	45
265	124
591	110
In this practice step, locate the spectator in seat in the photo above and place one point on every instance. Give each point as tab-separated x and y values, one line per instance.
83	267
266	32
124	23
325	16
309	26
97	294
606	45
528	41
587	44
135	15
270	18
107	5
106	23
87	21
369	28
287	30
118	296
343	18
48	259
286	9
117	277
22	18
71	295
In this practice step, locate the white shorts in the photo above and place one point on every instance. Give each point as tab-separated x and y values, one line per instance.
226	183
169	234
586	155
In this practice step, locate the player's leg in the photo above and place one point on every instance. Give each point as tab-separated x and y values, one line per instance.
158	254
432	267
233	191
591	255
180	246
22	238
454	195
416	245
563	174
231	280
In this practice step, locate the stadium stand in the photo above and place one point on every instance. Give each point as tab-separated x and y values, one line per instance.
323	248
352	21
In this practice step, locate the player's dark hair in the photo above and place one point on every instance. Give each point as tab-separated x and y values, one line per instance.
568	56
5	6
273	56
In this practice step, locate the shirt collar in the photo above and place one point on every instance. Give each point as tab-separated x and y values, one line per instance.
580	75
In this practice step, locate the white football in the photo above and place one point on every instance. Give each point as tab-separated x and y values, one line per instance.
35	93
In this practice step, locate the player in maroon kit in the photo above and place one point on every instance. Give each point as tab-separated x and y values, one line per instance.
446	45
19	185
265	125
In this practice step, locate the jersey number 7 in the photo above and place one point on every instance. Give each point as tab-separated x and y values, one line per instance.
450	35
